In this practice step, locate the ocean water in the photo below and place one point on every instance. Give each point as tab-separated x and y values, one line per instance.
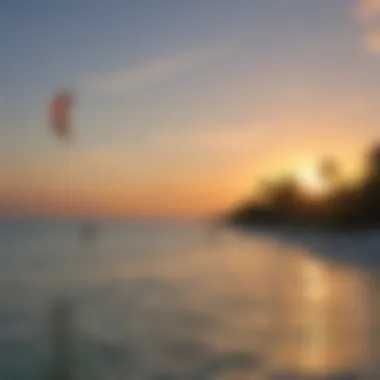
180	301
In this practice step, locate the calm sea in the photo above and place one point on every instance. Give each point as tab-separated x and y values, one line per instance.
181	301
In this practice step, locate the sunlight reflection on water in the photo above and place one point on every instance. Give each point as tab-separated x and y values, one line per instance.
170	304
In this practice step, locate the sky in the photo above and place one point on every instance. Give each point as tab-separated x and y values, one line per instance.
181	106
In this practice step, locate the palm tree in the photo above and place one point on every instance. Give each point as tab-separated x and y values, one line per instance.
374	162
329	170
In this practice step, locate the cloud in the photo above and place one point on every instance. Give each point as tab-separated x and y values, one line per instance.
372	41
206	142
367	9
149	73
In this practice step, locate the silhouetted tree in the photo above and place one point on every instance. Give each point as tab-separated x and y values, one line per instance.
373	163
285	198
329	170
369	193
267	190
345	206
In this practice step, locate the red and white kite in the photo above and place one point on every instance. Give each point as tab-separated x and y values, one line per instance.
60	108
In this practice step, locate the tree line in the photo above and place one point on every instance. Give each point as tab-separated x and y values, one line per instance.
342	206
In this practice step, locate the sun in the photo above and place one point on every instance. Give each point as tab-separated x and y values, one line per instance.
312	183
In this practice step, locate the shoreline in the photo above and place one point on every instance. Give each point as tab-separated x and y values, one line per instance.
359	249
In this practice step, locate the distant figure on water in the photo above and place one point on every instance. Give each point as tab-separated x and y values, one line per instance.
89	231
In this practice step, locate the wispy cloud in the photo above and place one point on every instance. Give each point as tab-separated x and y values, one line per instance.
211	147
151	72
368	13
367	9
372	41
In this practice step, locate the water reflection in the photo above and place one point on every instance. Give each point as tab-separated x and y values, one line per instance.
325	317
172	305
249	308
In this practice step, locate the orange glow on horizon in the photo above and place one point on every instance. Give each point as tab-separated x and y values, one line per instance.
112	181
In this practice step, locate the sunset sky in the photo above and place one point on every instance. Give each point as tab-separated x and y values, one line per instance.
181	105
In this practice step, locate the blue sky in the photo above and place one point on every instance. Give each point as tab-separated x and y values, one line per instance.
191	96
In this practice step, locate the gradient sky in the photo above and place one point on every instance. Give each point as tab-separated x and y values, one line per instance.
181	105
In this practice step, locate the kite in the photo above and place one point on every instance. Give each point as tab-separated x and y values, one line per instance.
60	108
